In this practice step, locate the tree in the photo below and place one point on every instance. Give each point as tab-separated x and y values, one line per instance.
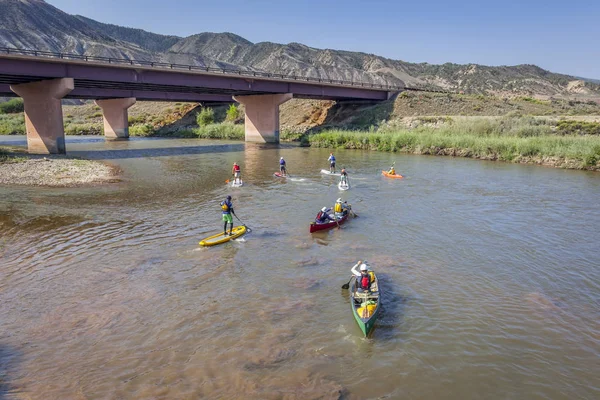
232	113
205	117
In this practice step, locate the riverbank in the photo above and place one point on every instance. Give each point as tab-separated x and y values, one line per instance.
20	168
525	140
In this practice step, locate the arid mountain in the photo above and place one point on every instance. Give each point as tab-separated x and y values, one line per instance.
35	24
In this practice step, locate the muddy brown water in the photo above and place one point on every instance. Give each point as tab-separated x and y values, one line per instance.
490	273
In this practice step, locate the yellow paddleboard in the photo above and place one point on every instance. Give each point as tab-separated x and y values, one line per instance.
220	238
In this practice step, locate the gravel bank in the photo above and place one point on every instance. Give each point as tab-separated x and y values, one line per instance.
57	172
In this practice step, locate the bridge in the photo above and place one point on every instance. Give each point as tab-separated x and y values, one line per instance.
43	78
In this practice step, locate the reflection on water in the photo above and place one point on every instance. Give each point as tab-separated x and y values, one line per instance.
490	274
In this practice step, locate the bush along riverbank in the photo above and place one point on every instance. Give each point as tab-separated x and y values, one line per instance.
511	139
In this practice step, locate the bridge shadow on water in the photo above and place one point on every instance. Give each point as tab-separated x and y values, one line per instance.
114	154
8	358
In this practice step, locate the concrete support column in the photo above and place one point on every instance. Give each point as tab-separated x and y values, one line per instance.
262	116
43	114
114	111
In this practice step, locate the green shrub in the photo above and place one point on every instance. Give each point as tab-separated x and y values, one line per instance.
88	128
205	117
224	130
12	124
141	130
12	106
232	113
565	127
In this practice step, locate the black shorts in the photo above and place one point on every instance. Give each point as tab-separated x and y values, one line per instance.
332	165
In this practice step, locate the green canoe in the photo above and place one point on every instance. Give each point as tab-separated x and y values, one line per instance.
366	305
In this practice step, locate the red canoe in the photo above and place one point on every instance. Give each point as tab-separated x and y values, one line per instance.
314	227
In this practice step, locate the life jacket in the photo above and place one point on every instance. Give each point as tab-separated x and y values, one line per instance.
236	168
320	216
338	207
281	162
225	207
365	281
392	171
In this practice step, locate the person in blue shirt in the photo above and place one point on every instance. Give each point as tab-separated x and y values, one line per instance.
282	167
227	208
323	216
331	160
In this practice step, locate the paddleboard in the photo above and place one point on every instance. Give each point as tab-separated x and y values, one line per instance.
239	183
278	174
326	172
343	186
220	238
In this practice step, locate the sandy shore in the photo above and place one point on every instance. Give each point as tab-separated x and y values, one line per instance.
56	171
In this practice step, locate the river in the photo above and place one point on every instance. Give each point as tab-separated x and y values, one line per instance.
490	275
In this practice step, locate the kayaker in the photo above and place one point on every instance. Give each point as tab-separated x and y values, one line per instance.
344	177
282	167
236	171
323	216
363	278
331	160
227	207
392	171
340	208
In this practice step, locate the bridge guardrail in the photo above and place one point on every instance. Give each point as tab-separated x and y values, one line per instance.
228	71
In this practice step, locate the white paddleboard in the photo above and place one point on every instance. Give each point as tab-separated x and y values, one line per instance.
239	183
326	172
343	186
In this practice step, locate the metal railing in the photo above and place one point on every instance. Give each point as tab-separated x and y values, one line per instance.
183	67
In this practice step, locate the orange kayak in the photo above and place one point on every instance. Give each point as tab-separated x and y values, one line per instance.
397	176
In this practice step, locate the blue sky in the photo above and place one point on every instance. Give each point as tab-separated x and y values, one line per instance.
561	36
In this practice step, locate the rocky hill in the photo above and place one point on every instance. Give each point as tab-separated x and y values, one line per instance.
35	24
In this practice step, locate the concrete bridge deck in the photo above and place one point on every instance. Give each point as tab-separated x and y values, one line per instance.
42	79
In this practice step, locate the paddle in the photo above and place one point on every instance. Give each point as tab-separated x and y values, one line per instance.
351	211
243	224
347	285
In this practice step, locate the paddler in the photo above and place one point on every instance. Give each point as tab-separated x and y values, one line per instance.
392	171
331	160
236	171
363	278
340	208
227	208
282	167
323	216
344	177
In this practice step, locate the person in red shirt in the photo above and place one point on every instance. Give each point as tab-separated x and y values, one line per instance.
237	172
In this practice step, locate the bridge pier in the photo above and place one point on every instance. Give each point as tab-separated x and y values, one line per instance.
262	116
43	114
114	112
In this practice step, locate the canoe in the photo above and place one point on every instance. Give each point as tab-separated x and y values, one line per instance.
327	172
314	227
343	186
278	174
396	176
220	238
366	305
240	183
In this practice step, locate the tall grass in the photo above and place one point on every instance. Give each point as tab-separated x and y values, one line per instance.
506	139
